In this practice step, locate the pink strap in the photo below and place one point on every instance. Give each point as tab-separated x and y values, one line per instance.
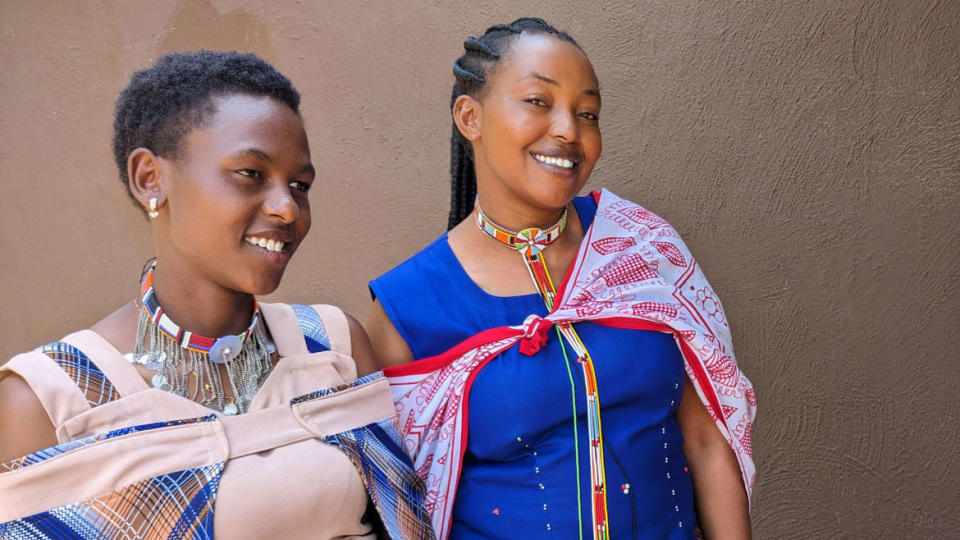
124	377
57	392
284	329
338	329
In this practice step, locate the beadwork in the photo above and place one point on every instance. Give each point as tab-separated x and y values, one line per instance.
177	354
531	243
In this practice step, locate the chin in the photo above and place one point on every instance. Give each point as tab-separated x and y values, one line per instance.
555	198
265	283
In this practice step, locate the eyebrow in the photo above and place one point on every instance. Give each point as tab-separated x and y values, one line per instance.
543	78
260	154
548	80
254	152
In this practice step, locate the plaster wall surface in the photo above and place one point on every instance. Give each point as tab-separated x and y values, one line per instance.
809	152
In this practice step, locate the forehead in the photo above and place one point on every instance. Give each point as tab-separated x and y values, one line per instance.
241	121
548	56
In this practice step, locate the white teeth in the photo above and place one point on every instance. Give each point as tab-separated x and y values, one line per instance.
560	162
269	245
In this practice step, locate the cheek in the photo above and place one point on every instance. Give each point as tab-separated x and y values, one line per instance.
514	131
304	220
593	145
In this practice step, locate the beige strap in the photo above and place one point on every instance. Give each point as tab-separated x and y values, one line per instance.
284	328
347	409
151	405
108	465
121	373
257	431
57	392
338	329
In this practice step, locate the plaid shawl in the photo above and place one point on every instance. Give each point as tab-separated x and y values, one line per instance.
632	271
181	504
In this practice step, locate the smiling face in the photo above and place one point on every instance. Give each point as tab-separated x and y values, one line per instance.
538	133
236	196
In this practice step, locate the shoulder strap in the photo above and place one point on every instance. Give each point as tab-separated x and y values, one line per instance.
284	328
59	394
302	329
64	378
337	328
122	375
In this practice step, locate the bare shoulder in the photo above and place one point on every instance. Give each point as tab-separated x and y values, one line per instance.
24	424
361	349
119	328
388	346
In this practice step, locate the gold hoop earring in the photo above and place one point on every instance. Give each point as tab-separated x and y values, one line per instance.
152	212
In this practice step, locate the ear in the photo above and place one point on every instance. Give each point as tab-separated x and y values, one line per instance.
143	175
466	114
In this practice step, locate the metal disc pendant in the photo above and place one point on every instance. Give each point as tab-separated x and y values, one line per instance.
225	349
230	409
160	382
151	362
129	358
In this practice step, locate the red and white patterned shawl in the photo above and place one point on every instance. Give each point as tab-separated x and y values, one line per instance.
632	271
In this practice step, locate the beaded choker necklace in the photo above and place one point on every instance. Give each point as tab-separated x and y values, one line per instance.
177	355
531	243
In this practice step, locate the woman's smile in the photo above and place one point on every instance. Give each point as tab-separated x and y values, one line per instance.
564	165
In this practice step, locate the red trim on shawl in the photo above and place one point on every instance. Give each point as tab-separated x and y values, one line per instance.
433	363
691	357
596	196
465	433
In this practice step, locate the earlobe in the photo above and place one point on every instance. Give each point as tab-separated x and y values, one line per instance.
143	175
466	115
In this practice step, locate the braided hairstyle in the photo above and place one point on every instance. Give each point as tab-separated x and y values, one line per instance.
164	102
471	72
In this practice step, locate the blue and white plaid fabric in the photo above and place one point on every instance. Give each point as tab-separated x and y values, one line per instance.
92	382
376	450
314	333
173	505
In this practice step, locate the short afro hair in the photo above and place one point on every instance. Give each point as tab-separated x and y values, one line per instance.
164	102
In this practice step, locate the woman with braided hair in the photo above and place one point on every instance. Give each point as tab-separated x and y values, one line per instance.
560	365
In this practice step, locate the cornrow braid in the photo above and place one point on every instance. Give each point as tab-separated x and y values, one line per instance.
471	72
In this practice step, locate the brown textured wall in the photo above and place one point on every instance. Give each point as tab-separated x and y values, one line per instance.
808	151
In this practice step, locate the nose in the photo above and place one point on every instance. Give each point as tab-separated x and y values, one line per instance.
564	127
280	205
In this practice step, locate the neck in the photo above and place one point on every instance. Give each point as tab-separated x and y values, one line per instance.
199	305
509	213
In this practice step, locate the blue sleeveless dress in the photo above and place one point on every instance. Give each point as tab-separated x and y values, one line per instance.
519	476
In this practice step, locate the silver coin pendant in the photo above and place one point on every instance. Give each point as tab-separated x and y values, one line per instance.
160	382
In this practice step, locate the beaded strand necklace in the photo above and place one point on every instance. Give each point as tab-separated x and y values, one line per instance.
530	243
